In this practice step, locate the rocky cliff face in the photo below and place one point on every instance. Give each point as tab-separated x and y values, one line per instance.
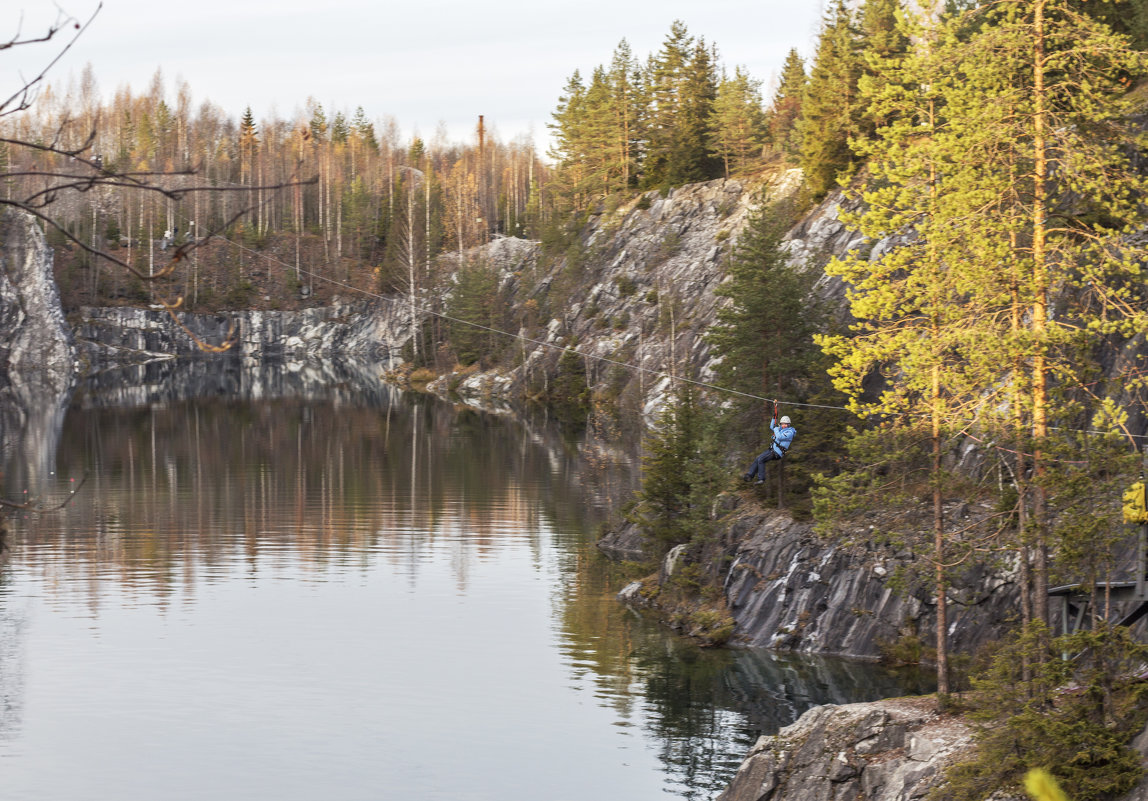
896	749
644	277
135	356
37	352
35	340
636	290
166	380
883	751
367	332
789	589
644	288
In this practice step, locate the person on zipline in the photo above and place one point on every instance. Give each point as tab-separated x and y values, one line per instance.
783	434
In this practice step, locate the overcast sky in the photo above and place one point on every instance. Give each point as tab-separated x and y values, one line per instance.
423	62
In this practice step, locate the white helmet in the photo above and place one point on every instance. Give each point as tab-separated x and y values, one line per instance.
785	420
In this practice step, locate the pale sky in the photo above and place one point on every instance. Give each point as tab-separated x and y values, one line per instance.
422	62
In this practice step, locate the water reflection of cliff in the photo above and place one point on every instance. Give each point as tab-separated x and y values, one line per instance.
705	707
330	463
229	375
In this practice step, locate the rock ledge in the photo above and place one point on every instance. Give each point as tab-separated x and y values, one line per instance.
879	751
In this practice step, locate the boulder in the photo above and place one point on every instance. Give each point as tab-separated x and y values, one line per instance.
890	750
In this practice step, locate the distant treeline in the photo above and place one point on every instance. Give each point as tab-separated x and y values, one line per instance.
369	196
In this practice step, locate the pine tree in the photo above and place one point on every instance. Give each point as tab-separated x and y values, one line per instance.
665	75
1041	128
990	124
569	394
831	108
533	213
248	132
340	129
318	122
917	313
690	159
651	126
600	141
785	110
165	130
1126	17
737	124
764	334
248	144
883	42
474	301
567	133
679	479
625	90
365	130
764	338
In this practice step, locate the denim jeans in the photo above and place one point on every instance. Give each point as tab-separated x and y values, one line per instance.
757	469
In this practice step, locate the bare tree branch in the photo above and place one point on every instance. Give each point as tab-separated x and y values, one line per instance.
86	172
23	96
30	506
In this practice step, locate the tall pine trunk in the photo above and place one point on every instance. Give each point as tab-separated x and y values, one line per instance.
939	542
1039	317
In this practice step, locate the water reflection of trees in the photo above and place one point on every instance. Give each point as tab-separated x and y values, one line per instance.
179	488
11	665
704	707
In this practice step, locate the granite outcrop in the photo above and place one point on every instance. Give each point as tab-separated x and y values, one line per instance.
37	351
891	750
789	589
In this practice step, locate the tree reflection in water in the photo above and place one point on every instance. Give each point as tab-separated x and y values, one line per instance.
11	665
192	485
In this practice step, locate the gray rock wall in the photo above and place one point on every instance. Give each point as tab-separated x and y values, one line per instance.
676	249
35	339
896	749
789	589
37	352
369	332
166	380
890	750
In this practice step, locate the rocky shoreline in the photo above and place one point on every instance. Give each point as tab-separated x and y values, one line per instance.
786	588
881	751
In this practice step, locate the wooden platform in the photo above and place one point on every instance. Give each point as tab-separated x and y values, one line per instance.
1076	600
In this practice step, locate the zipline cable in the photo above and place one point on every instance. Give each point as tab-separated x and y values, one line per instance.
523	338
606	359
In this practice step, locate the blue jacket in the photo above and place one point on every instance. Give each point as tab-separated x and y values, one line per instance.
782	437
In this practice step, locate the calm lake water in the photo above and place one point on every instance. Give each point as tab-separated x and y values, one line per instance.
347	592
